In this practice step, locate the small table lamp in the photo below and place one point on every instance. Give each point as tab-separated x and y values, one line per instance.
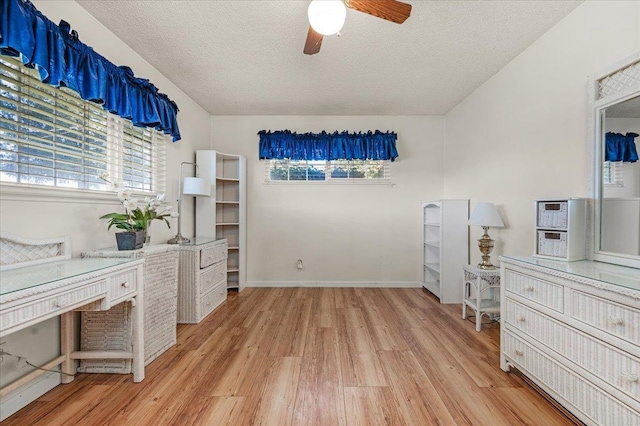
485	215
194	186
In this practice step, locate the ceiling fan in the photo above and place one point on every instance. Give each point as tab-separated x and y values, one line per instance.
326	17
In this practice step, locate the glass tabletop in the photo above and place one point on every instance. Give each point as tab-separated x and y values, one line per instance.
198	241
605	272
33	276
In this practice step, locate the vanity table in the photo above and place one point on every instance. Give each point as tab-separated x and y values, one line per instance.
573	328
32	294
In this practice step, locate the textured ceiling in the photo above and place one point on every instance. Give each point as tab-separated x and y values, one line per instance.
245	57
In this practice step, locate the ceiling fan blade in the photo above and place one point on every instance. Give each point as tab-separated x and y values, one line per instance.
391	10
313	43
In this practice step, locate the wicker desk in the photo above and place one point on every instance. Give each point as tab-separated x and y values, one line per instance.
481	292
107	330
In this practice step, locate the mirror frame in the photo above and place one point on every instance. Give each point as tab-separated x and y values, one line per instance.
598	102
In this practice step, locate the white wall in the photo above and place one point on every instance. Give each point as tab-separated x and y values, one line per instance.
79	219
343	234
523	134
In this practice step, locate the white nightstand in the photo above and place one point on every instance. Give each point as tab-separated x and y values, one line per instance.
481	292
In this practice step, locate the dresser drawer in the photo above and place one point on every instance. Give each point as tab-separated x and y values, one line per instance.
51	305
616	319
212	277
213	299
620	369
543	292
122	285
211	255
593	402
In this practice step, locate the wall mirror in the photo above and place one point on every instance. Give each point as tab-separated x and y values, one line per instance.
615	130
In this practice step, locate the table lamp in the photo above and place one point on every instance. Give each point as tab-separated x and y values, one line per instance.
486	216
194	186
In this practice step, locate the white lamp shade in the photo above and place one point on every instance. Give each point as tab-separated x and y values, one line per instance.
196	186
486	214
327	16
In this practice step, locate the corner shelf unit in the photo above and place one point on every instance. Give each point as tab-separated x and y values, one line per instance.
224	215
445	247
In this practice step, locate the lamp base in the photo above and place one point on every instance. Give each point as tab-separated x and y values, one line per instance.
178	239
486	246
486	264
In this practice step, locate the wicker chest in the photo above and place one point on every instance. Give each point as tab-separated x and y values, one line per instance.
203	278
108	330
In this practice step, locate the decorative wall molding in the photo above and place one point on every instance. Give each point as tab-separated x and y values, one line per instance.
24	395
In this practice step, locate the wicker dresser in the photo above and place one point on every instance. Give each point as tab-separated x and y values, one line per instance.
573	328
203	278
108	330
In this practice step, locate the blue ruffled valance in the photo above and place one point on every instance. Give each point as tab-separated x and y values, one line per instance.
63	60
619	147
328	146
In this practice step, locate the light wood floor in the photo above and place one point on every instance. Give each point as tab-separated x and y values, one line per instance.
312	356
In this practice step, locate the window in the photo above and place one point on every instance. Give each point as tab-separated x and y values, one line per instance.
335	171
612	174
51	137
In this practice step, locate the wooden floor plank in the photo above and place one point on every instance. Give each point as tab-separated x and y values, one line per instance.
358	356
279	393
417	397
371	406
320	356
320	396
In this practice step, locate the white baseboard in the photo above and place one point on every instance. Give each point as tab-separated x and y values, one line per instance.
28	393
348	284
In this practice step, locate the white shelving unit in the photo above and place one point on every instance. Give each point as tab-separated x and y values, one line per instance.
224	215
445	247
561	229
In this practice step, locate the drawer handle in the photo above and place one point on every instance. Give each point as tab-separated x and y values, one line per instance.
630	377
59	303
616	320
518	352
125	284
521	318
529	288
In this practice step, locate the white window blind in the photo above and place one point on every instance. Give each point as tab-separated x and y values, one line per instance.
334	171
52	137
612	174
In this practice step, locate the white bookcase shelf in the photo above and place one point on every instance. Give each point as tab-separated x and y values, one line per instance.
225	214
445	247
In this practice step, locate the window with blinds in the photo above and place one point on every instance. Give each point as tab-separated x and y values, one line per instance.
333	171
612	174
51	137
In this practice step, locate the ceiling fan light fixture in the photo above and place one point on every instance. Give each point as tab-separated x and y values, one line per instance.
327	17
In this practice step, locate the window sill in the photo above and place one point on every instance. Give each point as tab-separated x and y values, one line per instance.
25	192
329	182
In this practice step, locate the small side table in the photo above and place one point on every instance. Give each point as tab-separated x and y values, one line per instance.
481	292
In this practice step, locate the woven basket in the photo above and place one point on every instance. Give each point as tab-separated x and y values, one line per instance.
108	329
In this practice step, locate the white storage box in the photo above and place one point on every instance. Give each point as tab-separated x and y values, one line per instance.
553	214
552	243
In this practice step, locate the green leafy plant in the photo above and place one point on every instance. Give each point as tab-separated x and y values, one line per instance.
136	217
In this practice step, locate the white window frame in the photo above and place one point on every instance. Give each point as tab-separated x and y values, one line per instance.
123	147
328	166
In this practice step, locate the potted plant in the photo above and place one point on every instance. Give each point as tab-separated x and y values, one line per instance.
136	218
